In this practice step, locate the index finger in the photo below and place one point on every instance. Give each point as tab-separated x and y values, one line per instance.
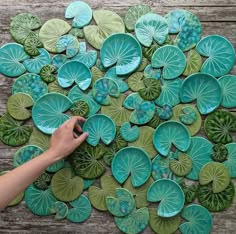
74	120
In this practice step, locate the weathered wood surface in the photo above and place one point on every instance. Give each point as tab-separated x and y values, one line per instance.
217	17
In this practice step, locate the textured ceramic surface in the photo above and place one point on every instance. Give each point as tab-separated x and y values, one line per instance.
230	163
129	133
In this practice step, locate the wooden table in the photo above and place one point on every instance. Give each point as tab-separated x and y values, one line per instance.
217	17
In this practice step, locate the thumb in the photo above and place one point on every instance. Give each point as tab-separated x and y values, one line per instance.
81	138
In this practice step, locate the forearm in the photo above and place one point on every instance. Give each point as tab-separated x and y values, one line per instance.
17	180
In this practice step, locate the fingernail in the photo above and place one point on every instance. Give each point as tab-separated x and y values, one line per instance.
86	133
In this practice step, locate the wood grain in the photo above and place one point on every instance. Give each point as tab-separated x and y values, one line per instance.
217	16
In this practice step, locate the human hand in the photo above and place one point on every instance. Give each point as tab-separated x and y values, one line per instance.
64	140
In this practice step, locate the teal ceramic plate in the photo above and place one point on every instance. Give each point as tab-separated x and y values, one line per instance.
168	133
48	111
203	88
129	133
230	163
122	50
131	161
99	127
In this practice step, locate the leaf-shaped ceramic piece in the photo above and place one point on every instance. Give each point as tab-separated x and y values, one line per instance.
129	133
39	201
27	83
203	88
39	139
133	14
80	12
165	112
215	173
145	141
43	181
198	220
220	152
51	31
31	45
54	87
56	166
230	163
17	105
66	186
122	50
96	34
168	133
96	74
47	73
122	204
188	27
26	153
48	111
190	192
149	51
116	111
228	87
76	94
155	121
220	55
77	32
74	71
199	151
171	59
170	90
11	57
135	222
58	60
150	72
12	132
134	161
189	115
135	81
80	108
99	127
60	209
194	63
170	195
152	89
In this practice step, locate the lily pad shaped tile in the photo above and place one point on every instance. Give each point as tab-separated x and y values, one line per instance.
230	163
96	34
80	12
203	88
58	60
48	111
60	209
11	57
104	88
131	161
74	71
169	194
151	27
99	127
168	133
171	59
188	27
122	50
198	220
220	55
129	133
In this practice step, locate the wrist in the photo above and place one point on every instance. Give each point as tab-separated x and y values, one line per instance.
52	156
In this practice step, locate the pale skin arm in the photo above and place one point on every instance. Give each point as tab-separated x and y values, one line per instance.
63	142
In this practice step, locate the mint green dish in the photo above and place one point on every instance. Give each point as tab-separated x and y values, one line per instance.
230	163
129	133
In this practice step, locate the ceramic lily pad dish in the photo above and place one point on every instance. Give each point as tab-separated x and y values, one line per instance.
198	220
219	126
86	57
149	51
150	72
56	166
230	163
135	222
170	195
135	81
66	186
144	141
217	173
122	204
39	139
54	87
104	88
43	181
199	151
203	88
129	133
152	89
110	153
119	142
17	105
11	57
99	127
165	112
26	153
39	201
87	161
77	32
155	121
58	60
31	84
163	225
190	192
51	31
188	27
220	55
48	111
12	132
60	209
220	152
171	59
96	34
168	133
32	45
216	201
151	27
194	63
47	73
80	108
74	71
126	55
97	196
80	12
129	161
81	210
189	115
228	87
